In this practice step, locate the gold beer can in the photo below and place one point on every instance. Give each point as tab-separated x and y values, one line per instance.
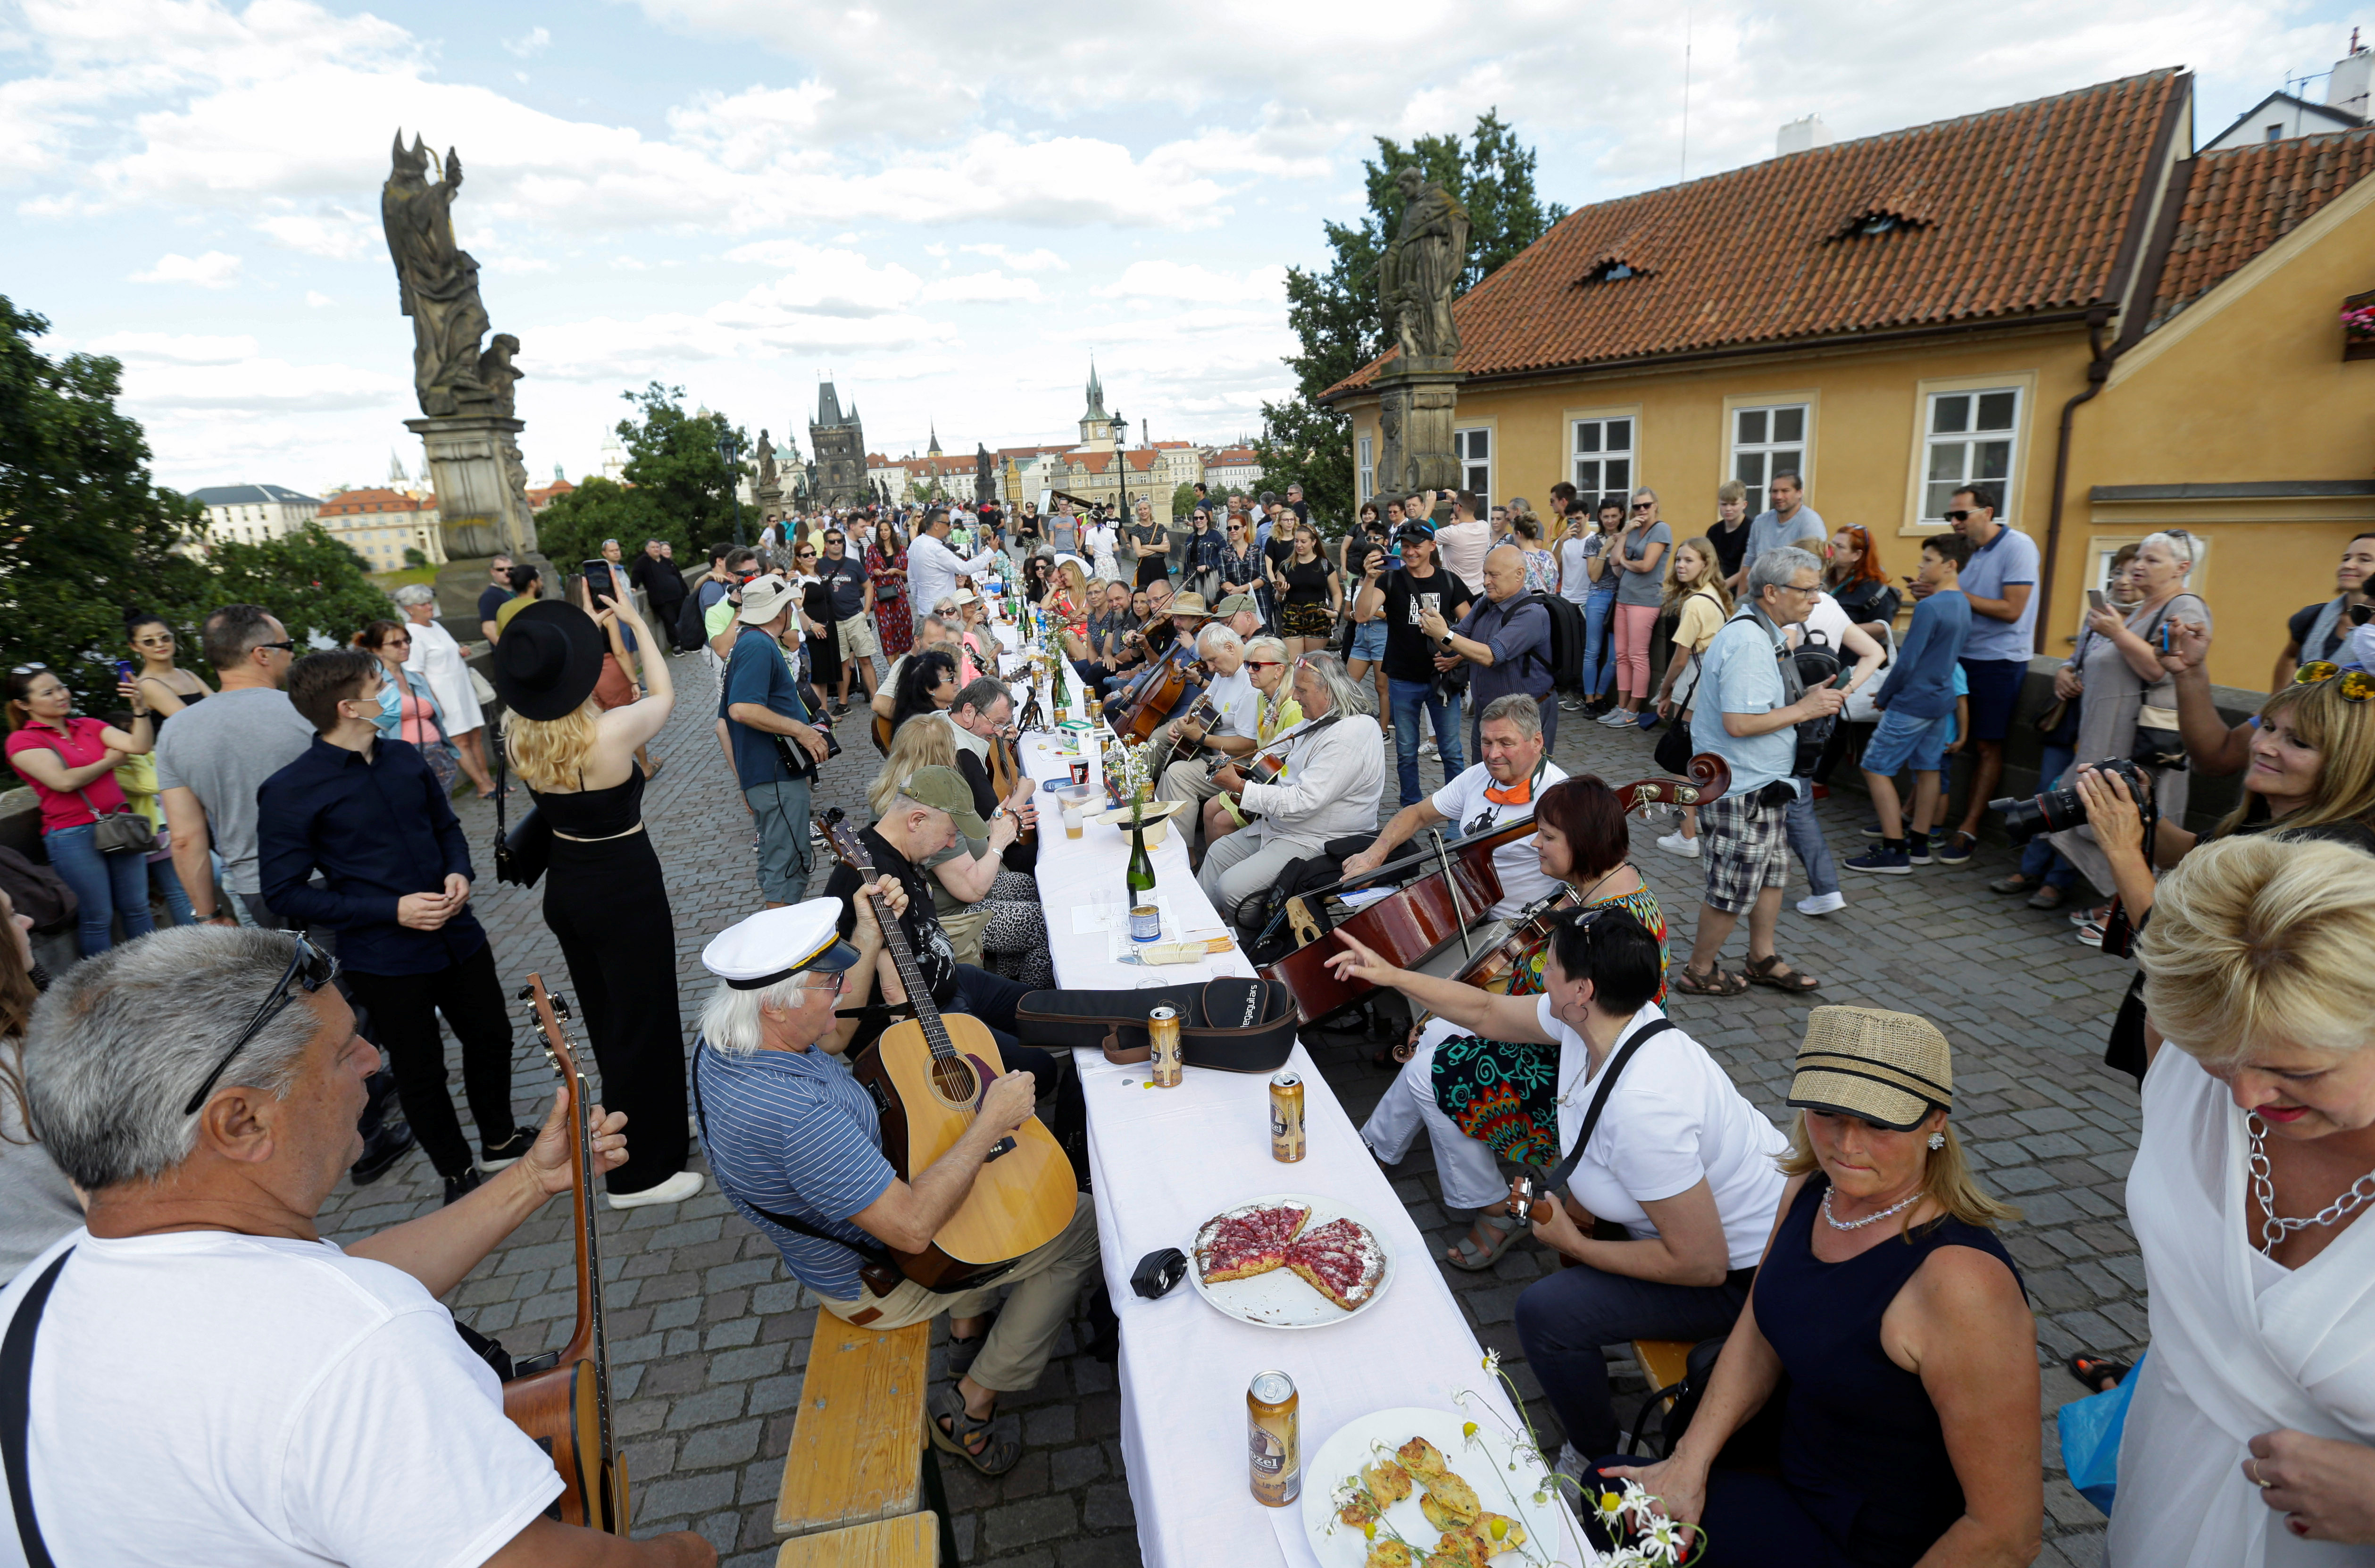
1272	1439
1286	1117
1162	1028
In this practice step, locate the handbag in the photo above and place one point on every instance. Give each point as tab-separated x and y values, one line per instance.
1860	709
2158	743
2091	1429
112	832
521	853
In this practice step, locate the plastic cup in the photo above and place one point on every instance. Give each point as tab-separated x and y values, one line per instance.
1072	822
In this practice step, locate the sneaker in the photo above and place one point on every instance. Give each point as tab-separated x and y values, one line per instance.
461	1186
1616	718
1872	830
495	1156
1917	849
1823	903
676	1189
1675	844
1956	850
1570	704
1427	751
1885	861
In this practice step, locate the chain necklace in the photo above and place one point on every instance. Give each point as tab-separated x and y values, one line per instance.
2276	1227
1836	1223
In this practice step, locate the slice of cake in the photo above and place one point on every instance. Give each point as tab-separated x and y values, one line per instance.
1248	1241
1341	1260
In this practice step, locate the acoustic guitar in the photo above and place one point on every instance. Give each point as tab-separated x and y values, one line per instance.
927	1075
566	1405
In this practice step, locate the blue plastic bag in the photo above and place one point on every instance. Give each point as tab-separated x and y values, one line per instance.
2090	1440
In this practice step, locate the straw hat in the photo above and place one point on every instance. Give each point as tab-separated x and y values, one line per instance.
1188	604
1889	1068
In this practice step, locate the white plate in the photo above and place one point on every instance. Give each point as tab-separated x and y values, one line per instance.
1482	1463
1281	1298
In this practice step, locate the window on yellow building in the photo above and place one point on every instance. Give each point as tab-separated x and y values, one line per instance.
1765	442
1971	438
1603	456
1365	467
1474	450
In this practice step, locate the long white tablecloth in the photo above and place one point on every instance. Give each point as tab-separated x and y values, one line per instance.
1166	1161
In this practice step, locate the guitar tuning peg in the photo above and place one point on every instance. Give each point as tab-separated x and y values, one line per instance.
527	994
560	1005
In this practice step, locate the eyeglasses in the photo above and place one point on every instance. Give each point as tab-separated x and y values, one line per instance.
162	640
1265	664
310	969
1960	515
832	982
2357	685
286	646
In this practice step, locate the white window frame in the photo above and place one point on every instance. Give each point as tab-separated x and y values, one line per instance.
1767	454
1364	469
1461	440
1934	491
1628	454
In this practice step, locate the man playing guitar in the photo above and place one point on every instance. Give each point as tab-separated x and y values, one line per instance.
792	1136
1227	719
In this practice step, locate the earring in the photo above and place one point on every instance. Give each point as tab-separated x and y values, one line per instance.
1937	1141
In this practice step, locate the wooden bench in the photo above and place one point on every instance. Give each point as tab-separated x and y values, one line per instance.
913	1542
1662	1361
857	1454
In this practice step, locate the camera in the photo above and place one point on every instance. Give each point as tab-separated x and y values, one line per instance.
2057	810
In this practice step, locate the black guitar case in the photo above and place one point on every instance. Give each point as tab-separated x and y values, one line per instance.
1236	1024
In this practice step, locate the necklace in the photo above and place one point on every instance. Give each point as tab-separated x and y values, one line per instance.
2276	1227
1836	1223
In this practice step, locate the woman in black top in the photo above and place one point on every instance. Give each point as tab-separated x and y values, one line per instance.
1312	591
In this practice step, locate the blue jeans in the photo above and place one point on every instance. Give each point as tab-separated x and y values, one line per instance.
104	885
167	885
1409	697
2039	861
1599	642
1807	843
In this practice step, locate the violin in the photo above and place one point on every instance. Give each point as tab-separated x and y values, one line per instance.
1455	883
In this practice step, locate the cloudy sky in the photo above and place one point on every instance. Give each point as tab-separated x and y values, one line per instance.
947	205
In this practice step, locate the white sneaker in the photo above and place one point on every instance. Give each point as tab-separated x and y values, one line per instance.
1428	751
676	1189
1822	903
1675	844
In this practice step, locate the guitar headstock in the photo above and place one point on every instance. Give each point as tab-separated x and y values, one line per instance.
548	1010
843	840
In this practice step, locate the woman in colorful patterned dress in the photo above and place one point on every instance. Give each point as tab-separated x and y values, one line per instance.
1484	1100
886	568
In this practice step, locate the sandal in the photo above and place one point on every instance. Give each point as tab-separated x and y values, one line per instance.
1714	983
1467	1254
1769	970
994	1456
2091	1370
963	1351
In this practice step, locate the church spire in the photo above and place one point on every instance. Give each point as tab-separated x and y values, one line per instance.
1096	393
934	449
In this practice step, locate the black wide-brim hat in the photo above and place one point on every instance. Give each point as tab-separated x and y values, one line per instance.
548	660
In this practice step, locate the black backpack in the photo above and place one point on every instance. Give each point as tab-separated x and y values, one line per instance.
1566	638
689	629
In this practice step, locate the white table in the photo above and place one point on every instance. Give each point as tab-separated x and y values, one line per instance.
1166	1161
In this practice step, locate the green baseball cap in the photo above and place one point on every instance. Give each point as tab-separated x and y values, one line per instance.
944	789
1237	602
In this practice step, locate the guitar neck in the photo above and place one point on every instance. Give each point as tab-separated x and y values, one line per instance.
590	1259
903	959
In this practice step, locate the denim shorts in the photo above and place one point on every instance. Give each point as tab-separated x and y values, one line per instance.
1900	740
1368	640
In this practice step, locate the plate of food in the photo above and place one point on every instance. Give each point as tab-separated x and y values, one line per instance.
1290	1260
1427	1489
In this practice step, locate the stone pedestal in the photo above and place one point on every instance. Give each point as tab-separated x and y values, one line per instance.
481	483
1417	397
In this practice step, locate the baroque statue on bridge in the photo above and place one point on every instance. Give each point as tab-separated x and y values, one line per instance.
1421	267
437	285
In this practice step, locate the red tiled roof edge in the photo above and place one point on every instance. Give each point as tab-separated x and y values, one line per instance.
2240	201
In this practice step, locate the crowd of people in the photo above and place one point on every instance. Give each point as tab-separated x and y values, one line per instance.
1874	1399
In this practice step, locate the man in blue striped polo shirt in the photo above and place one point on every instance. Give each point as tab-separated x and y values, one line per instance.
795	1145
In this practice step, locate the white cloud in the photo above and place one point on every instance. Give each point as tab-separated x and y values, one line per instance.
174	348
981	287
534	42
317	299
828	280
1190	282
213	270
1040	260
330	231
510	263
260	384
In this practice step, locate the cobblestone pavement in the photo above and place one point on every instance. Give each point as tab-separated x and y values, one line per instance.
709	1335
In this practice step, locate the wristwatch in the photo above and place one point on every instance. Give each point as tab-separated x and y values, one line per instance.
1445	638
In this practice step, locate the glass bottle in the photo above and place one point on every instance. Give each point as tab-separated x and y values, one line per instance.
1141	876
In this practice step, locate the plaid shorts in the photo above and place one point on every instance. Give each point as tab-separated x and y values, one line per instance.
1744	847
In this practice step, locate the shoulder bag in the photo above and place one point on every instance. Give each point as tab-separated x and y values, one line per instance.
2158	743
521	853
112	833
1860	709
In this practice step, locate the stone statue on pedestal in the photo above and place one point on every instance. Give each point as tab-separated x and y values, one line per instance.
984	485
766	462
1422	268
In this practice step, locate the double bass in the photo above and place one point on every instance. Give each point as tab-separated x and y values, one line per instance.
1452	883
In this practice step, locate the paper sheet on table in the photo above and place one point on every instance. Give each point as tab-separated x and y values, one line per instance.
1361	898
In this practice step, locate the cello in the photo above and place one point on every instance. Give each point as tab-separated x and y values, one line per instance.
1453	882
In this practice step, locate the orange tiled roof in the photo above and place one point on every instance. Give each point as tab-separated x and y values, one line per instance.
2241	201
364	501
1141	461
2013	213
1233	458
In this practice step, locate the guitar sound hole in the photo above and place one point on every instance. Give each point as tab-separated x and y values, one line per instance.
953	1077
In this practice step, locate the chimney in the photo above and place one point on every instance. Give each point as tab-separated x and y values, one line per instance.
2347	88
1802	136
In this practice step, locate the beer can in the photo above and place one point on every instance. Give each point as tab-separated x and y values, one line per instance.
1273	1441
1286	1117
1146	923
1162	1028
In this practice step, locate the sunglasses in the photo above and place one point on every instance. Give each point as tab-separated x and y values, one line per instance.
1265	664
1959	515
1643	505
2357	685
310	969
162	640
287	645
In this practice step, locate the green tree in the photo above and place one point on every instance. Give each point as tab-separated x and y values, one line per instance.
414	556
572	529
1183	501
84	535
319	587
1333	309
673	457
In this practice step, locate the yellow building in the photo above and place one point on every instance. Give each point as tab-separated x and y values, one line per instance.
2057	298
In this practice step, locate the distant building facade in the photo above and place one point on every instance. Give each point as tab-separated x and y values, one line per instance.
250	515
380	525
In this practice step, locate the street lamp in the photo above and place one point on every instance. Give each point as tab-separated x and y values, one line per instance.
726	449
1121	468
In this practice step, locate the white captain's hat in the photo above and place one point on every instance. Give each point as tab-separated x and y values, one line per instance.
775	944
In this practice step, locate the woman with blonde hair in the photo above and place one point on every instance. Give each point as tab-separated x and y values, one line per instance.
604	896
2253	1424
1699	604
1908	1425
991	914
